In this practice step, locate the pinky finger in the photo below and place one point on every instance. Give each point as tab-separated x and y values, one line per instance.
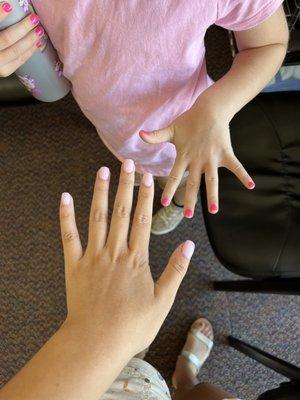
235	166
69	233
12	66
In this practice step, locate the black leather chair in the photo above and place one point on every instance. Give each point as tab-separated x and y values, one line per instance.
287	390
256	234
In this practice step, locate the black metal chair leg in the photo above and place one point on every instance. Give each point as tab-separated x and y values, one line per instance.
276	364
276	286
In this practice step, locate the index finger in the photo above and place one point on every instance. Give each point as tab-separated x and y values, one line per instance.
69	233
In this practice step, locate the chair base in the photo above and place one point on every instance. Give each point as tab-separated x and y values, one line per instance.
284	368
277	286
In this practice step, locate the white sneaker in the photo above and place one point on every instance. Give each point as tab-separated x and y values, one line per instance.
166	219
137	179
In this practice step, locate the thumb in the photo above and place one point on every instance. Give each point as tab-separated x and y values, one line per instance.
175	271
159	136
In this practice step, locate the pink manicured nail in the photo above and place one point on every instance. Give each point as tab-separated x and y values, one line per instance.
34	19
6	7
40	31
66	199
188	249
188	213
213	208
147	179
145	133
104	173
165	202
128	166
251	185
39	44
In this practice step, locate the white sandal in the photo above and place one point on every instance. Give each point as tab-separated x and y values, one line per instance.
195	360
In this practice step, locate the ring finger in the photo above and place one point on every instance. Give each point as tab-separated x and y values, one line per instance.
192	189
212	188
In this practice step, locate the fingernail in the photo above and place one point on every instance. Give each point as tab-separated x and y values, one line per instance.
104	173
145	133
40	31
128	166
213	208
39	44
188	249
188	213
6	7
165	202
66	199
147	179
34	19
251	185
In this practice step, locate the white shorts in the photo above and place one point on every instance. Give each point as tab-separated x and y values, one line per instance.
139	381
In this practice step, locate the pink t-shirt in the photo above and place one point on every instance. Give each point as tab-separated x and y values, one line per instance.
139	64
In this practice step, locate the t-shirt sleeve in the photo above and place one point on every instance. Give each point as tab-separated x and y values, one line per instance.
240	15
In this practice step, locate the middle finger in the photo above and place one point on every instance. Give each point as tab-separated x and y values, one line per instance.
117	237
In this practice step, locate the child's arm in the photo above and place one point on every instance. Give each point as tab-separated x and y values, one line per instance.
201	135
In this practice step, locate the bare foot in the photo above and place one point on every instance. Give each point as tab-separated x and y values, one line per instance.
186	372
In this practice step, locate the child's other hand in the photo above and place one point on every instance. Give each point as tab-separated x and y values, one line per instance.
111	295
18	42
203	145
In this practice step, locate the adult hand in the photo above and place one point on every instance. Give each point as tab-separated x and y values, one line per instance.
110	289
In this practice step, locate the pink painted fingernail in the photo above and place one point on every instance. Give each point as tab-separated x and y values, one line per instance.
147	179
128	166
34	19
40	31
165	202
66	199
39	44
6	7
213	208
251	185
188	249
145	133
104	173
188	213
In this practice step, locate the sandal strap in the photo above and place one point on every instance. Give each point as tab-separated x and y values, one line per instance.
203	338
192	358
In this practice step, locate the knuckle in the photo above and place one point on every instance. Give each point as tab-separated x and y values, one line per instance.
182	154
126	181
192	184
70	236
174	178
179	267
14	52
211	179
122	211
99	216
5	39
143	219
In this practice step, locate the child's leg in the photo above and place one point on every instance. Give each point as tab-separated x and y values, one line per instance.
202	391
185	378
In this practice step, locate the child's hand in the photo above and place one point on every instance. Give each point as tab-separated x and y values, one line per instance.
111	295
18	42
203	145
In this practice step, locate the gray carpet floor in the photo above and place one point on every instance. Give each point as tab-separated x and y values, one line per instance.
46	149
